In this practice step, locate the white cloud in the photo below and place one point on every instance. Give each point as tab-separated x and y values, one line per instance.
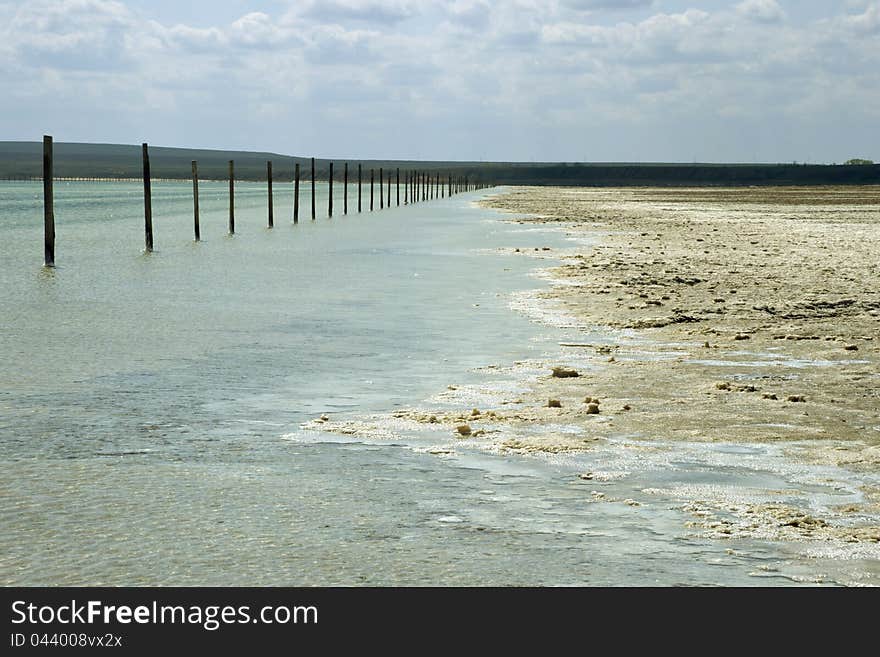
764	11
519	79
374	11
867	22
607	4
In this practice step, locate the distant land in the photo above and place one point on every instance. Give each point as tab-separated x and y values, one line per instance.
23	160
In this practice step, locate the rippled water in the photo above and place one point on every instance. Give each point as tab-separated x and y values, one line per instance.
150	404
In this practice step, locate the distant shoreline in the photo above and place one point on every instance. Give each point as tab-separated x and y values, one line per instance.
23	161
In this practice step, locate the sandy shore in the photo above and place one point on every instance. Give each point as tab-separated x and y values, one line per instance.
748	316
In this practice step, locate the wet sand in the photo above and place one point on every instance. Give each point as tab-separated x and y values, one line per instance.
747	316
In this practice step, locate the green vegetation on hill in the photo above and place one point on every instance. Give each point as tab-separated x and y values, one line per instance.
23	160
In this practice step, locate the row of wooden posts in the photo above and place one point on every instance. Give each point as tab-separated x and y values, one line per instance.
417	186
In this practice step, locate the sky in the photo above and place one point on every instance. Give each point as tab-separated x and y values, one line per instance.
513	80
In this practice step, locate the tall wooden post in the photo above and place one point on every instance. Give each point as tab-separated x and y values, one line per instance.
296	193
389	189
381	191
360	180
405	188
148	201
398	186
231	197
345	189
48	203
330	194
313	189
195	173
372	178
271	204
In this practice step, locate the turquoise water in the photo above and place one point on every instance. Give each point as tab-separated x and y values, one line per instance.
150	404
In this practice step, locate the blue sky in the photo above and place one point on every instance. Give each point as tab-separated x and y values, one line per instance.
561	80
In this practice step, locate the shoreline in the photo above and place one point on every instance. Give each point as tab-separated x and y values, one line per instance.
739	343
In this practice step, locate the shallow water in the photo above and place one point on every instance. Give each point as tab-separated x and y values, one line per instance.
150	406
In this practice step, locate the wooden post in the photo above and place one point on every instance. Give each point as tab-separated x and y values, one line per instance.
398	186
405	188
345	189
48	204
389	189
148	201
195	172
360	180
271	205
231	197
296	193
381	191
372	177
330	195
313	189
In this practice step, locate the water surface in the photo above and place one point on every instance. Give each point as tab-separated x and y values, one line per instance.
150	404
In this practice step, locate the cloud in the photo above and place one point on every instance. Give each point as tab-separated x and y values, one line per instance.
519	79
763	11
72	34
370	11
586	5
471	14
867	22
